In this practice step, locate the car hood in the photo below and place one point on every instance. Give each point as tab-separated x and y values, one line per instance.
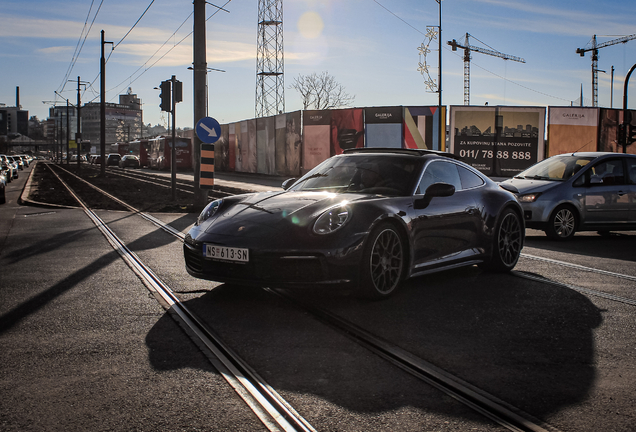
275	213
525	186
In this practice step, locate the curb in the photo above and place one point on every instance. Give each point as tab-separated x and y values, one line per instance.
26	191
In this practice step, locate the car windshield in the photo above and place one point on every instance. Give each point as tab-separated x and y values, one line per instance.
557	168
385	174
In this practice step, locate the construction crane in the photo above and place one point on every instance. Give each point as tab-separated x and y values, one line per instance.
594	48
467	49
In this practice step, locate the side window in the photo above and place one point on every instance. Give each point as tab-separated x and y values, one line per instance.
469	179
610	172
631	170
440	172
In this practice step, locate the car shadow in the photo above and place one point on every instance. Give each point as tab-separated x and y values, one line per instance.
614	245
529	344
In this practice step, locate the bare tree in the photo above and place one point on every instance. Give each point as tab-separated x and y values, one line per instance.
321	91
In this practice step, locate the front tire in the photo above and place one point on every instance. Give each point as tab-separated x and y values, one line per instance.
382	263
562	223
507	243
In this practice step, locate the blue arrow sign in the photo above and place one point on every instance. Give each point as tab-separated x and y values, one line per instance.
208	130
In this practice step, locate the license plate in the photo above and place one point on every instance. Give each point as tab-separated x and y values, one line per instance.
226	253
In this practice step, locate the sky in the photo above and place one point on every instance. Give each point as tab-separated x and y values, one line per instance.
370	47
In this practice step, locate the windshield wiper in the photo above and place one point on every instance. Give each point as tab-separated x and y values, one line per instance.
538	177
519	177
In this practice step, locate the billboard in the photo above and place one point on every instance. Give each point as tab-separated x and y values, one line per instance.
292	143
383	127
316	138
421	126
347	129
572	129
265	145
231	152
222	149
498	141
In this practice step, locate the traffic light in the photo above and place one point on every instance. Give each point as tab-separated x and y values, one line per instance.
178	91
622	134
166	99
631	134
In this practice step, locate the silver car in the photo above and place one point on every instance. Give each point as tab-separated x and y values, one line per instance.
573	192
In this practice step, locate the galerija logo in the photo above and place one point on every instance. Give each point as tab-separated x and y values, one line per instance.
383	116
574	116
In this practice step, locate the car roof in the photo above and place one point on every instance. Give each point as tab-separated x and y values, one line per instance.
596	154
401	151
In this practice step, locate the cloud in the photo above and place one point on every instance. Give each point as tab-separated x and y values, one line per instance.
539	17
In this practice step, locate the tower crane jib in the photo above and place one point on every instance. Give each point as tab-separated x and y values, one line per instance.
594	48
467	49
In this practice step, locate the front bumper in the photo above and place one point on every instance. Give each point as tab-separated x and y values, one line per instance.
278	269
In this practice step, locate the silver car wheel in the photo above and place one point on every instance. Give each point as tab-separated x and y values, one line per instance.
564	223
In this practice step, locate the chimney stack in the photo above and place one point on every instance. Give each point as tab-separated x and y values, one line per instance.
17	97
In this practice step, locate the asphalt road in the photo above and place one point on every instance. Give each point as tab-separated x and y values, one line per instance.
86	347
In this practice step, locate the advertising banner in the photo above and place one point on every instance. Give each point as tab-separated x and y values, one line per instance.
347	129
383	127
221	150
421	126
498	141
232	143
281	129
609	140
572	129
265	145
241	146
251	147
316	138
293	143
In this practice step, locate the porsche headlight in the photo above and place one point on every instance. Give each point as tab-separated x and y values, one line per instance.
529	198
331	220
209	211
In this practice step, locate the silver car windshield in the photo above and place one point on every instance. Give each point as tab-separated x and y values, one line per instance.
374	174
557	168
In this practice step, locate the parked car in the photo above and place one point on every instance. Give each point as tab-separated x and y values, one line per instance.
18	161
3	184
572	192
13	167
129	161
8	168
25	160
367	219
113	159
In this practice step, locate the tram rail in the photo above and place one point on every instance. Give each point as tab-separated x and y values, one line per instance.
480	401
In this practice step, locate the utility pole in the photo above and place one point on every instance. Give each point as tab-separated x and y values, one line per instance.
200	67
68	133
102	109
442	120
628	128
78	134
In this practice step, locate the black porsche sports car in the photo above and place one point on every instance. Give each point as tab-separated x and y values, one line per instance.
366	219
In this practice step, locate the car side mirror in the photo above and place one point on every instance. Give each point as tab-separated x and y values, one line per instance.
287	183
439	190
434	190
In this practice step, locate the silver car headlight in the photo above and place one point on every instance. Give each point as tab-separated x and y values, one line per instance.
209	211
332	220
528	198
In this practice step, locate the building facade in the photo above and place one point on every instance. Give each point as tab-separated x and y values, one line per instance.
124	120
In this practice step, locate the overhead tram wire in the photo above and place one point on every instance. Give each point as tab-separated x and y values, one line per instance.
75	57
473	63
136	22
122	39
128	81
